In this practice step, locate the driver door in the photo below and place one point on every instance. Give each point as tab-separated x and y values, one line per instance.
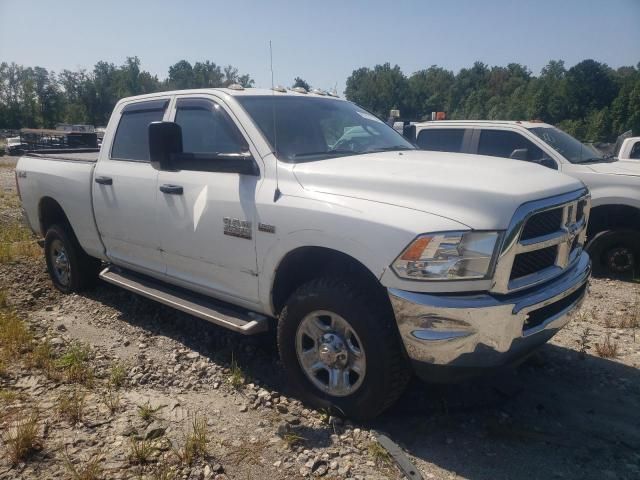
207	219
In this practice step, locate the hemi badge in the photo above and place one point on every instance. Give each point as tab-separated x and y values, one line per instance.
263	227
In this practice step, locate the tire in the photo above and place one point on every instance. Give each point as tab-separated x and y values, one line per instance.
371	331
615	253
70	268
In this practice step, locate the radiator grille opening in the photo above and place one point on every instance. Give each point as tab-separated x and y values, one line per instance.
542	223
539	316
530	262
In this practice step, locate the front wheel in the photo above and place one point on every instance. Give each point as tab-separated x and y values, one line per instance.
341	349
615	253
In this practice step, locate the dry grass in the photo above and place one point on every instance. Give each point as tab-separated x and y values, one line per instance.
196	442
9	396
162	470
42	357
140	451
111	400
293	439
71	406
379	454
117	375
15	337
583	342
607	349
74	363
237	377
22	438
89	470
17	241
147	412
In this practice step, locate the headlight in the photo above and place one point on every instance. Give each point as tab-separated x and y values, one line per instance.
448	256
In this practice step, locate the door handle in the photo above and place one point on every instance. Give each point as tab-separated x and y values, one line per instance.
171	189
104	180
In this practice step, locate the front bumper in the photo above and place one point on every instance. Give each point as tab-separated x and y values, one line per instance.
448	335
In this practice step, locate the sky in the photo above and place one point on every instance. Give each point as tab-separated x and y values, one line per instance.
320	41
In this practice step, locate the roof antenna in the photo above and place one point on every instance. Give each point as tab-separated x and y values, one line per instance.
276	194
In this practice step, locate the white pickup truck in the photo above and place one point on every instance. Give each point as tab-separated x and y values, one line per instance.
630	149
614	228
257	208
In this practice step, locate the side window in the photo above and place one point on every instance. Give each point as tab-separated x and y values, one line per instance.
503	143
206	128
132	137
441	139
635	151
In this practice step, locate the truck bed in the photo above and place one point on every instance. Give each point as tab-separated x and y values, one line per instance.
76	155
61	179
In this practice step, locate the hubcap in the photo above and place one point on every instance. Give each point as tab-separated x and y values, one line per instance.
60	262
620	260
330	353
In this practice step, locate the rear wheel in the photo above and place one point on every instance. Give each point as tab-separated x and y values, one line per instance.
615	253
341	349
70	268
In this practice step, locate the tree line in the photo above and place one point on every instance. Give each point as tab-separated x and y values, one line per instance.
35	97
589	100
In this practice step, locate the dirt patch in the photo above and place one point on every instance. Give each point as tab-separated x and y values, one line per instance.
155	376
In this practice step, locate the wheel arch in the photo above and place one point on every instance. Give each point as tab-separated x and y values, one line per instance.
50	212
610	216
305	263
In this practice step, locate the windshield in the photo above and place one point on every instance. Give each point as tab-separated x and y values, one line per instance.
311	128
567	146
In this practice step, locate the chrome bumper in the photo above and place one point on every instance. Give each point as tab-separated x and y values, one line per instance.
475	331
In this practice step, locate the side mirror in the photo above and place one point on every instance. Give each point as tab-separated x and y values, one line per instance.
519	154
165	140
409	132
549	163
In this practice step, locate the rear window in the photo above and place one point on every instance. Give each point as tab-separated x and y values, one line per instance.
441	139
132	137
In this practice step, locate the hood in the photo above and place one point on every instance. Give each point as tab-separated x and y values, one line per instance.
481	192
621	167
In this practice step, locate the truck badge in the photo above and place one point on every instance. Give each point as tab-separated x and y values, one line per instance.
264	227
237	228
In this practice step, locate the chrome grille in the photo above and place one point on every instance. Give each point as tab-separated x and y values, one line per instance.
530	262
542	223
545	238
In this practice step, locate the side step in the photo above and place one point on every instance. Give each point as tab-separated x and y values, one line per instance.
238	320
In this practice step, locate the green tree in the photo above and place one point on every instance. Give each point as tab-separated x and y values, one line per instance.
380	89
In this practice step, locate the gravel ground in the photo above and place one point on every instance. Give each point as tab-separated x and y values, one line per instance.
565	413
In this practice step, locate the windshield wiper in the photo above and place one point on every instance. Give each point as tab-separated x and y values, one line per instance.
330	153
390	149
597	160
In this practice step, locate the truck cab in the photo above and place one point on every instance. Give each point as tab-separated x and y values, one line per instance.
614	229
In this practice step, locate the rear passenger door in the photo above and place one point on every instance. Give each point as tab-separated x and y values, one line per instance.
125	191
444	139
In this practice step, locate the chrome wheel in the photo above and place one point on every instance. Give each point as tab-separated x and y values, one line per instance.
330	353
60	263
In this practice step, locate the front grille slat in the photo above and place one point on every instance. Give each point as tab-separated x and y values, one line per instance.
542	223
531	262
